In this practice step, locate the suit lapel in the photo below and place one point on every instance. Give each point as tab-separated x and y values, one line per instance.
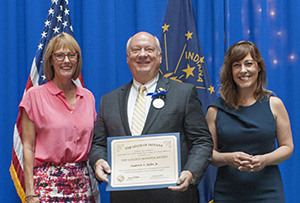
153	112
123	98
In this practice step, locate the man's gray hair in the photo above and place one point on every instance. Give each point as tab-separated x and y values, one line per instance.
156	41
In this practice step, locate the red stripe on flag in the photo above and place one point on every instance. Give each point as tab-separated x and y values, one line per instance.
16	169
17	176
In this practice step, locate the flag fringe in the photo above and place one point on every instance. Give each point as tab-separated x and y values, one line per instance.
17	183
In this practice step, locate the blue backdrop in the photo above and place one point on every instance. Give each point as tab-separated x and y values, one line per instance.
102	28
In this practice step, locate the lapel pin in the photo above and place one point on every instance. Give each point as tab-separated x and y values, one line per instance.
158	102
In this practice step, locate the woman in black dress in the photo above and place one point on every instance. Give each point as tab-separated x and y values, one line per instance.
245	122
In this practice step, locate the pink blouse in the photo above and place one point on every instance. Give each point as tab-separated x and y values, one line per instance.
63	134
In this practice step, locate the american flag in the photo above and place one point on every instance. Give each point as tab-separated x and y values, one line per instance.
58	20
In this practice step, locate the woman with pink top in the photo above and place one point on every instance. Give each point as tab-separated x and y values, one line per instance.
57	127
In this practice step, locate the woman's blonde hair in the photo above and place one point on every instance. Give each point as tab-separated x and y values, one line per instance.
62	40
236	53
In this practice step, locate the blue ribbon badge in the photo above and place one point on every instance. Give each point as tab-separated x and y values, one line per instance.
158	96
159	92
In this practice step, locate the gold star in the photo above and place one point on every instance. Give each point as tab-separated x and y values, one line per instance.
189	35
211	89
165	27
189	71
202	59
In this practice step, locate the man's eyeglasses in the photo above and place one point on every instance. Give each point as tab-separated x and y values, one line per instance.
61	56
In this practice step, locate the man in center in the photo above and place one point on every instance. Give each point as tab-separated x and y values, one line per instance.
179	111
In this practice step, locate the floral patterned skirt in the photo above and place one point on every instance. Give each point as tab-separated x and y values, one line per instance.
68	182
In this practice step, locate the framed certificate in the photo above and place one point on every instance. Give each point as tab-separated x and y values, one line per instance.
143	162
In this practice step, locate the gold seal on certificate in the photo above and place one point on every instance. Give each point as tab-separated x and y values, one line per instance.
143	162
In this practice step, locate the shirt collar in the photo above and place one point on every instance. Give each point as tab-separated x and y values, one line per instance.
148	85
53	89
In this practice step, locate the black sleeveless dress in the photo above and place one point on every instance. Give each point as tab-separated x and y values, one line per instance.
251	129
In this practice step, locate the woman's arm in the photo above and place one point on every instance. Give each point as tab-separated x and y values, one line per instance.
284	138
28	136
235	159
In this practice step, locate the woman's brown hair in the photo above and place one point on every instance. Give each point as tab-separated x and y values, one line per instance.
236	53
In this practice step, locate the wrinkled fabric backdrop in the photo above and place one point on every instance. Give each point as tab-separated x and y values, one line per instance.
102	28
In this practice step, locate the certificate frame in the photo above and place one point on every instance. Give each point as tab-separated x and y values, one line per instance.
143	162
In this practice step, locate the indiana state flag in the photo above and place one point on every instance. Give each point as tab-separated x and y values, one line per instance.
183	60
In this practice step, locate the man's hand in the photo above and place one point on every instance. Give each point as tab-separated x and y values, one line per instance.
101	170
183	181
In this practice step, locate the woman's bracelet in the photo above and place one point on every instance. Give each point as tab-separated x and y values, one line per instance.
29	196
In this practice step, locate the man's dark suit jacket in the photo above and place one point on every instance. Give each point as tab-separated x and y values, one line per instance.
182	113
